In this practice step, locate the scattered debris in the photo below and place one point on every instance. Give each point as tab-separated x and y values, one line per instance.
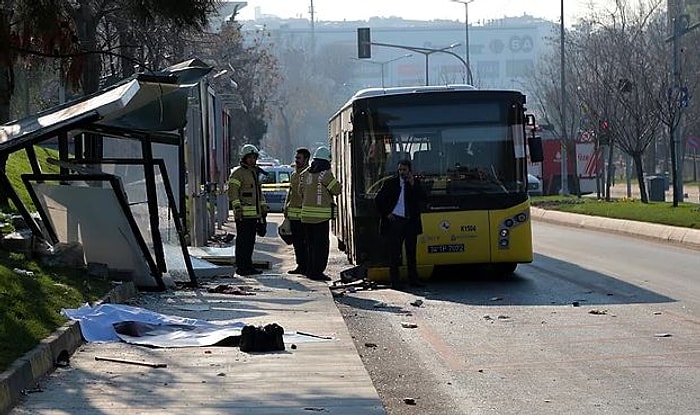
230	289
311	408
496	298
576	304
503	317
662	335
356	273
488	317
353	286
36	389
408	325
63	359
370	344
130	362
293	346
380	304
24	272
221	374
409	401
657	313
301	333
480	370
224	238
417	303
598	312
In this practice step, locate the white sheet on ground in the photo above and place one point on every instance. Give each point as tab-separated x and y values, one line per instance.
97	325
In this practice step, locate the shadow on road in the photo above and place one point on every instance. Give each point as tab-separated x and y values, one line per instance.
547	281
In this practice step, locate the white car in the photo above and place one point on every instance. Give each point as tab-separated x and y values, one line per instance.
534	185
275	186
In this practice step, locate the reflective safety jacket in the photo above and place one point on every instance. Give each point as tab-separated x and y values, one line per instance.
318	190
292	204
244	192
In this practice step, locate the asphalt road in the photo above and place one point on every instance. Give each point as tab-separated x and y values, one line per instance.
597	324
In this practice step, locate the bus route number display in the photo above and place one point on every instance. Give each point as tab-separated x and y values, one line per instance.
448	248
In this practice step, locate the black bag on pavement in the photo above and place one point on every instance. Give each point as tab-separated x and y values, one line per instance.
262	339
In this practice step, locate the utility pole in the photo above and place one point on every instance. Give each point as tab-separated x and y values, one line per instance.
312	11
562	83
466	37
680	25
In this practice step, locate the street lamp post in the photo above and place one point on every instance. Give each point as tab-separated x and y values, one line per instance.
562	84
384	63
427	52
466	36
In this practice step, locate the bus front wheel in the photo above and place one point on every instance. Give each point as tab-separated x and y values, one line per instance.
505	269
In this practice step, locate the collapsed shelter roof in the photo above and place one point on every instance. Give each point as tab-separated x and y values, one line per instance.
151	108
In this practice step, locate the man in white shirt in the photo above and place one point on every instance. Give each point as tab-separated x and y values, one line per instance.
399	203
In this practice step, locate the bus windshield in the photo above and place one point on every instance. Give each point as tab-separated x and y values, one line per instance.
455	149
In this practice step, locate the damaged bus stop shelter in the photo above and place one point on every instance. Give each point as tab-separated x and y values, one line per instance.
123	210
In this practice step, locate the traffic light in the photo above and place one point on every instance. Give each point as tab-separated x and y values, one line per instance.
364	44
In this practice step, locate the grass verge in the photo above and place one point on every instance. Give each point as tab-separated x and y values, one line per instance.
686	215
30	304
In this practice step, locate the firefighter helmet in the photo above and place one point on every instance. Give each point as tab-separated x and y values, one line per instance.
248	149
322	153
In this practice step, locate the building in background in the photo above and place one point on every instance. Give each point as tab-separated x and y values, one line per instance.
503	53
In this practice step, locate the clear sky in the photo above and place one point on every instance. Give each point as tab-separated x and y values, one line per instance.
338	10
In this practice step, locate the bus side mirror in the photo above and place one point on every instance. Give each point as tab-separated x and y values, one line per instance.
534	144
530	120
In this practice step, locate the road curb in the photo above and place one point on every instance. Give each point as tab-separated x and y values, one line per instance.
25	372
673	234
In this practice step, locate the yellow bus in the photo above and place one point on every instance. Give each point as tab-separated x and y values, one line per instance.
468	148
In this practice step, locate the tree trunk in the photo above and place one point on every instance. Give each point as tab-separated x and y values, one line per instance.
610	171
6	89
86	23
573	156
639	169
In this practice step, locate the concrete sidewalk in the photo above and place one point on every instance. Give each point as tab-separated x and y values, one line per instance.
324	376
311	376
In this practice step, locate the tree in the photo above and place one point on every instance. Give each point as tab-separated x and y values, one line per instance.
612	80
562	115
312	85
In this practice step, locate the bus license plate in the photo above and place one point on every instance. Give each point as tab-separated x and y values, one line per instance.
439	249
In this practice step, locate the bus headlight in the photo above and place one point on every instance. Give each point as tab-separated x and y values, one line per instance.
503	243
504	233
521	217
509	223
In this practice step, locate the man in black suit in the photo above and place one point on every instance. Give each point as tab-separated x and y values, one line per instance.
399	203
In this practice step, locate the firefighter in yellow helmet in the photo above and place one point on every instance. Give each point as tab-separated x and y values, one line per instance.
249	207
318	187
292	211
